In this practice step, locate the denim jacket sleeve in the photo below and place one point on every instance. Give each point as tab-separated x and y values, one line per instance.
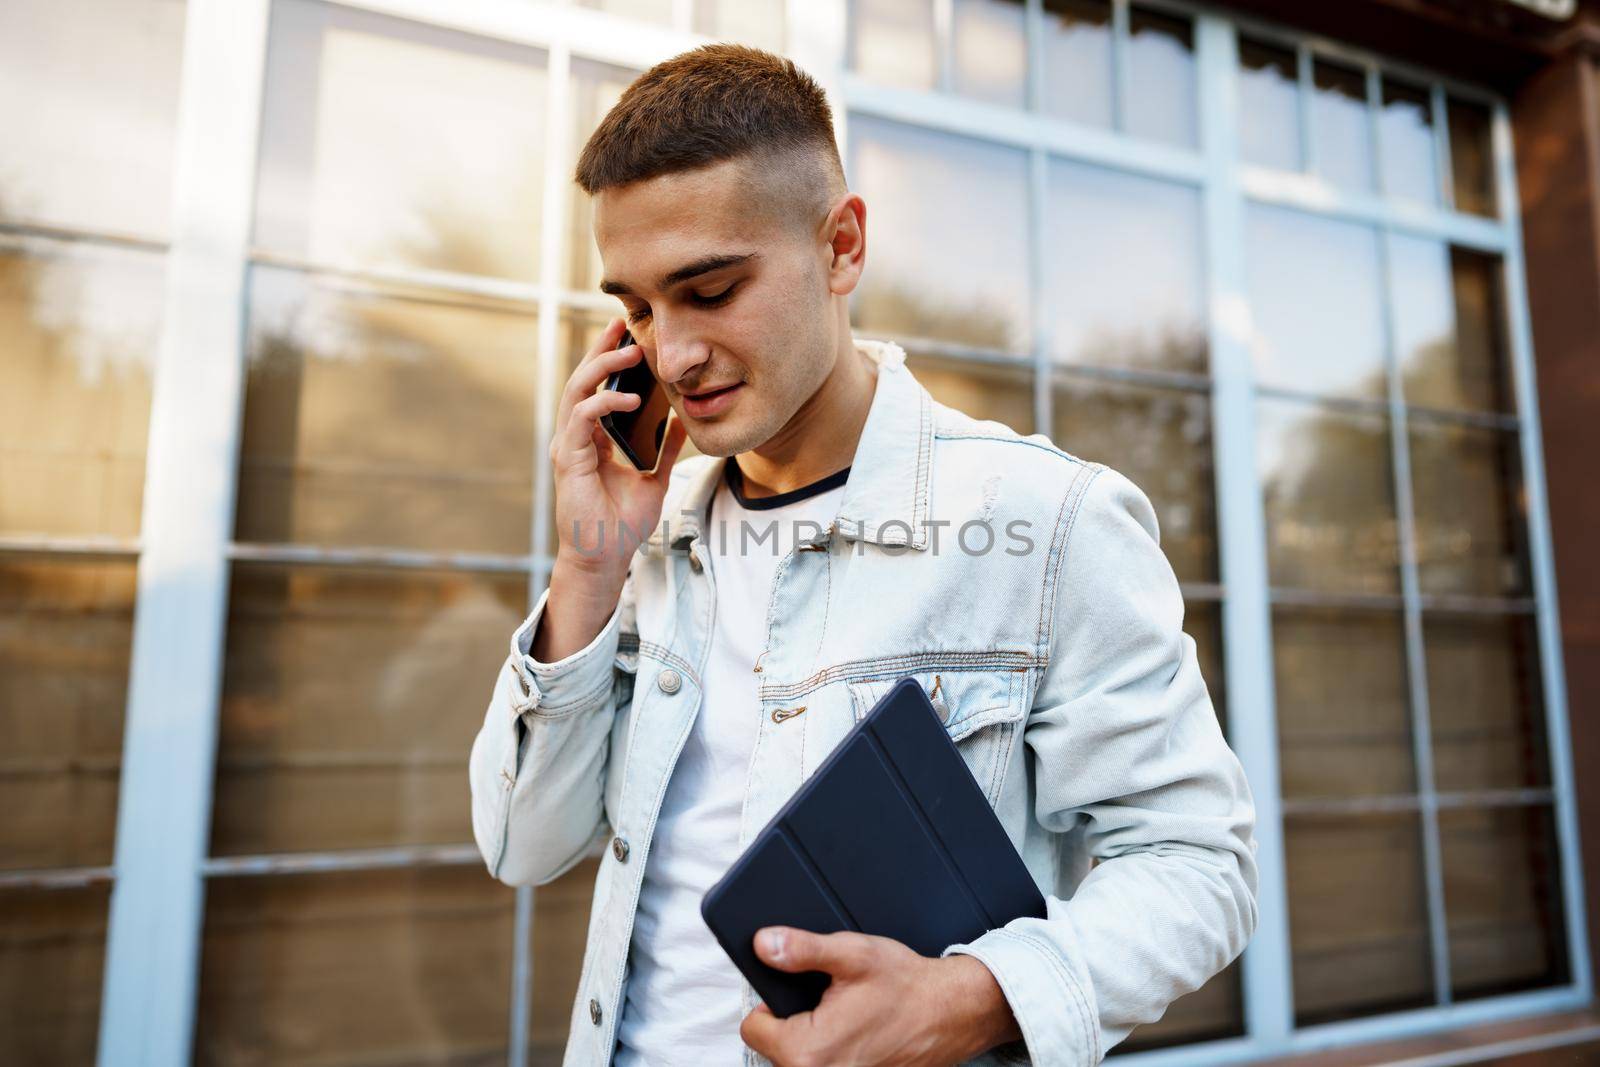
1126	746
537	766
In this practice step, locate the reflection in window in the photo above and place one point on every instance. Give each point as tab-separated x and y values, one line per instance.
1358	919
1340	137
1160	439
982	390
1329	498
1123	271
1471	514
1343	709
388	966
758	23
52	958
66	629
1485	702
1077	60
595	89
88	112
1269	105
951	258
991	51
1449	326
1471	158
387	419
79	326
1316	304
1161	85
344	722
891	41
1405	126
393	143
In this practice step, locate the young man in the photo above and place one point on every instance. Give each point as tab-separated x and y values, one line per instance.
670	699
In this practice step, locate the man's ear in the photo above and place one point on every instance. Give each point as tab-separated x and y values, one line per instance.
847	241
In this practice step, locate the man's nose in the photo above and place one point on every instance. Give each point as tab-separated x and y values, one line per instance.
678	351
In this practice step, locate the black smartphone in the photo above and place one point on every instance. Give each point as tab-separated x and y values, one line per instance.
639	432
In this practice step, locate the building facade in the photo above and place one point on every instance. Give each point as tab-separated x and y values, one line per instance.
288	290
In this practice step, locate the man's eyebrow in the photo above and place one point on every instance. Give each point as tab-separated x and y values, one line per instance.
703	265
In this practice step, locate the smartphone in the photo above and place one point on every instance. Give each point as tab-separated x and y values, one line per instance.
638	432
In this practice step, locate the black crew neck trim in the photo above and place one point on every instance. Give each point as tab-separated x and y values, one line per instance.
735	479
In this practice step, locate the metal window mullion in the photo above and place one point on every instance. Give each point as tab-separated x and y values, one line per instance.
1374	129
1038	211
1304	90
1121	75
1241	529
175	674
1541	557
944	45
1416	660
1444	182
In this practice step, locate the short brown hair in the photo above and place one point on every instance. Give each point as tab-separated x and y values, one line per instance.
715	103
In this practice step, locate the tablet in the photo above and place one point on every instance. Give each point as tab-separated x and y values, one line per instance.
892	836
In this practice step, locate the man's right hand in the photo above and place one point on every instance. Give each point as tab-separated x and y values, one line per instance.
604	505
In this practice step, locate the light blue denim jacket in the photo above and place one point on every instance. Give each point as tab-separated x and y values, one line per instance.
1057	657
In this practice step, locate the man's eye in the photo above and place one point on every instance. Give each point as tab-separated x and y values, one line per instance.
638	316
720	298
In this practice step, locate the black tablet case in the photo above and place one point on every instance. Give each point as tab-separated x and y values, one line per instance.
891	836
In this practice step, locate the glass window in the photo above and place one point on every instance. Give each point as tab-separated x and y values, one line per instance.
1502	889
1341	137
345	713
991	51
1470	509
982	390
1161	86
88	112
891	41
1358	916
1329	498
1211	1013
1485	702
1077	60
387	966
1449	327
1202	620
560	930
656	11
951	255
1123	272
52	957
758	23
397	144
1160	439
1405	125
1269	105
79	328
1316	304
66	628
391	419
595	89
1471	158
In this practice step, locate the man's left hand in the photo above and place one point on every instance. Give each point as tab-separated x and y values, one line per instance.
885	1006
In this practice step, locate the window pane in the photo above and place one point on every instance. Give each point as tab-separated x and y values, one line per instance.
892	42
1471	513
1406	127
1341	138
1344	725
943	271
1471	158
1502	890
1485	702
1358	918
79	326
1269	105
389	419
758	23
1329	498
350	699
595	88
1316	303
1160	439
52	955
1161	88
1122	272
1450	327
982	390
1202	620
88	112
657	11
1210	1013
1077	60
402	966
991	51
560	928
394	143
65	633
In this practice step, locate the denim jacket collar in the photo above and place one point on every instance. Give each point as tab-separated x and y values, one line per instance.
885	501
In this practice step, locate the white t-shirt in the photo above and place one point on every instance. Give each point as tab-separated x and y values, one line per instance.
683	1003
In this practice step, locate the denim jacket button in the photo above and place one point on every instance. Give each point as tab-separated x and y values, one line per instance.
619	849
594	1011
669	680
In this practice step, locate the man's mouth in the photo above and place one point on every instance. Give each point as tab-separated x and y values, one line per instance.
710	401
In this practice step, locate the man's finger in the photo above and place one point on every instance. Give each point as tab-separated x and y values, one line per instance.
784	948
763	1031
